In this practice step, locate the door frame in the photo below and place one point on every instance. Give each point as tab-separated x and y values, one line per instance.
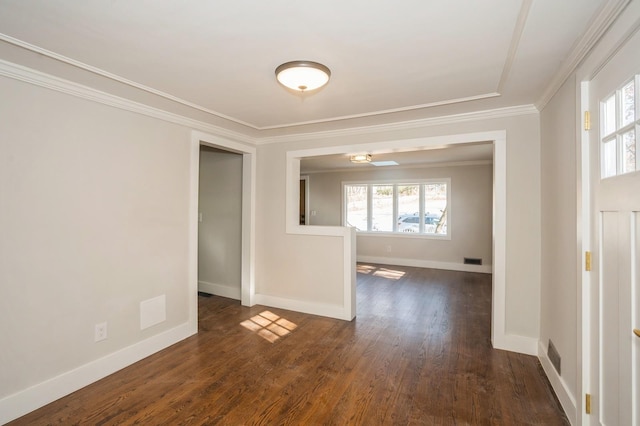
248	217
307	210
500	337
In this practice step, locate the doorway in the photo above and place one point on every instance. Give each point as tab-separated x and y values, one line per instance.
304	200
500	337
220	223
247	262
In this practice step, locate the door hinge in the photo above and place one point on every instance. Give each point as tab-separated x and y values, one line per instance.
587	120
587	403
587	261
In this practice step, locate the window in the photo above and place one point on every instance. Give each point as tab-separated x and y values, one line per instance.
619	127
418	208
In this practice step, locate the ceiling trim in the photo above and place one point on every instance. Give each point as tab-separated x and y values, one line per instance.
406	125
111	76
515	42
386	111
95	70
599	24
37	78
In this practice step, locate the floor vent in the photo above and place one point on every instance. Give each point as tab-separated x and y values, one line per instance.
554	356
472	261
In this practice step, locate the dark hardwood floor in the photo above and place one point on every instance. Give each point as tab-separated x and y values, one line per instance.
418	353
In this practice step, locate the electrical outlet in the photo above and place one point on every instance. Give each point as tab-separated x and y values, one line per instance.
388	249
100	331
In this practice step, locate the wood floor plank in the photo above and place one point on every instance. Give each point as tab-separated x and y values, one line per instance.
418	353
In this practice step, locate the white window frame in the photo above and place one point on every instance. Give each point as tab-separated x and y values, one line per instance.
395	183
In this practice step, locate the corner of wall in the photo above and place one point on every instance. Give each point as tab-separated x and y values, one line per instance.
567	400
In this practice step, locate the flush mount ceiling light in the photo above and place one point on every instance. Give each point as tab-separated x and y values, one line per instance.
302	75
360	158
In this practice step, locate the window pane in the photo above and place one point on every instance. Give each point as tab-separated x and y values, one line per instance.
356	200
408	208
382	208
609	116
629	152
408	200
628	104
609	158
435	208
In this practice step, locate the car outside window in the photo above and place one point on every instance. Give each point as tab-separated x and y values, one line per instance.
418	208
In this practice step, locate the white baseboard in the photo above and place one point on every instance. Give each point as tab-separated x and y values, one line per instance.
451	266
567	400
25	401
220	290
514	343
324	310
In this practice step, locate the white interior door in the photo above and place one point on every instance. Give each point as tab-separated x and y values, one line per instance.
615	287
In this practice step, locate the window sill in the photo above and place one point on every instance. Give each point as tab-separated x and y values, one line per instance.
403	235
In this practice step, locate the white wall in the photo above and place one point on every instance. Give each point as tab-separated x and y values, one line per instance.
288	267
470	214
558	316
94	205
220	231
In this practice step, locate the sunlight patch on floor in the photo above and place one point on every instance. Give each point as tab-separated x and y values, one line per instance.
391	274
364	269
269	326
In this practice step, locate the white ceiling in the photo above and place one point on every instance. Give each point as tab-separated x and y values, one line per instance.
390	60
470	153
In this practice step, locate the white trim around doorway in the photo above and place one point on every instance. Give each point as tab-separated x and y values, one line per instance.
499	336
248	217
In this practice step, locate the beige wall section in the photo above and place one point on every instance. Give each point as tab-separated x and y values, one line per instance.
93	220
470	213
220	232
558	316
307	269
286	265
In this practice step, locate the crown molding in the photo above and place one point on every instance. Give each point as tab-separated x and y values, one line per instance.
95	70
405	125
599	24
515	42
114	77
385	111
37	78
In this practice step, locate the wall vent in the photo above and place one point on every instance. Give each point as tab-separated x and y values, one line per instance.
153	311
472	261
554	356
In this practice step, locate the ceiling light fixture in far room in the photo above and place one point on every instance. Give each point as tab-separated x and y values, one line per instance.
360	158
303	76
